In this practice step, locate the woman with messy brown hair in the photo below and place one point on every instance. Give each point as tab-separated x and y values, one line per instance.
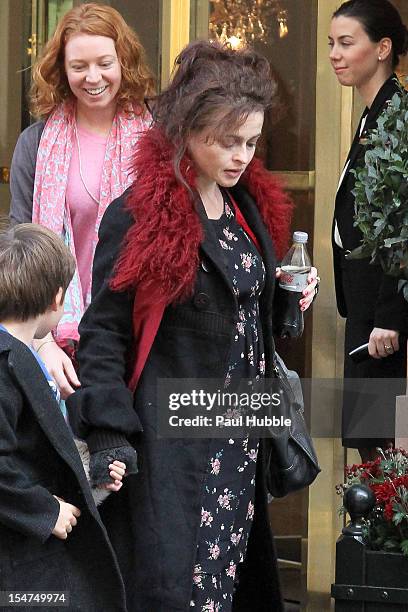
88	93
184	288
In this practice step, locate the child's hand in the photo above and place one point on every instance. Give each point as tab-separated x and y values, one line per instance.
67	519
104	461
117	472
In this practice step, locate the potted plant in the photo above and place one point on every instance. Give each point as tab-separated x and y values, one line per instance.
372	553
386	526
381	192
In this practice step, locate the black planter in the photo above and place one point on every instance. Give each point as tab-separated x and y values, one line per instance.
367	580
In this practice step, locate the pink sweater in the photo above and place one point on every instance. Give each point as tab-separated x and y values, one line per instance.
83	209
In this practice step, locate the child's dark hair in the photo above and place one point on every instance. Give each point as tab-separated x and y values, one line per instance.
34	264
212	87
380	19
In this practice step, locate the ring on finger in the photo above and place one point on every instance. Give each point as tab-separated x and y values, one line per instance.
388	348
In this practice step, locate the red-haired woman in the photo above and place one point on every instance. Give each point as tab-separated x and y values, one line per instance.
88	92
183	287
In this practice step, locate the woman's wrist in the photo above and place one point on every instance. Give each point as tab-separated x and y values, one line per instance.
101	439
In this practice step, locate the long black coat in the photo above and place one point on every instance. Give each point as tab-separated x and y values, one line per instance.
154	520
38	459
367	298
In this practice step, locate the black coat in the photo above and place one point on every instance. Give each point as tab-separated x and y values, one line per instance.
363	291
367	298
38	459
154	520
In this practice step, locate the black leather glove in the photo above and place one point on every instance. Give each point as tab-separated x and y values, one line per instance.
100	461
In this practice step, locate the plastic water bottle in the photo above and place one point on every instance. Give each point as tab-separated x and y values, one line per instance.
293	280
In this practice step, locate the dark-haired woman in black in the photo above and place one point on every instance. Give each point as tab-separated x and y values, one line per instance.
366	39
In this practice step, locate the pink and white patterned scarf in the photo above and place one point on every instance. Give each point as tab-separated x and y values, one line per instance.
50	185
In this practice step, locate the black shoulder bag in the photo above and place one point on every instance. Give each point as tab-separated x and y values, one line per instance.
290	458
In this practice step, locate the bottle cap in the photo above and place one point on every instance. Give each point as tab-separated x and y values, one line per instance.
300	237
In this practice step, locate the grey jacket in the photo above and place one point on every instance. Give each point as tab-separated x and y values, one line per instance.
23	172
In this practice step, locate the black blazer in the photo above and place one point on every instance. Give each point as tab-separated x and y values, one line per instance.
38	459
363	291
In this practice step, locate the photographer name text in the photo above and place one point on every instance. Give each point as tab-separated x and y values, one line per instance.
248	420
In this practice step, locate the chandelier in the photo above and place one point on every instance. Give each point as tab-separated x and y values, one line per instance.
239	23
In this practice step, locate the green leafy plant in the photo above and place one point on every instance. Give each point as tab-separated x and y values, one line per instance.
386	527
381	192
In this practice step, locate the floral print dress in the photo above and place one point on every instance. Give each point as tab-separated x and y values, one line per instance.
229	490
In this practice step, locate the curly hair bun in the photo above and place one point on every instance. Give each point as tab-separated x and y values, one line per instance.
211	81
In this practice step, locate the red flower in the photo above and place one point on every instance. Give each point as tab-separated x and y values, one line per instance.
388	512
384	492
401	481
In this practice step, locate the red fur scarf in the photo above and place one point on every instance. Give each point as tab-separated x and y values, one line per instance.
161	250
